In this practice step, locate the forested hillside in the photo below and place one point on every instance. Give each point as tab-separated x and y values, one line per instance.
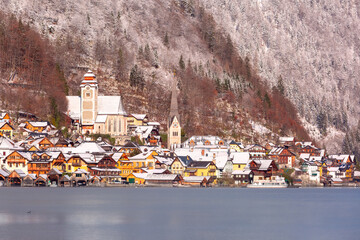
237	62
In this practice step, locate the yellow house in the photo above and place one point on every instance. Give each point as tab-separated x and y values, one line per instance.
235	146
6	129
137	178
123	163
143	160
74	163
201	168
178	166
36	126
137	119
239	160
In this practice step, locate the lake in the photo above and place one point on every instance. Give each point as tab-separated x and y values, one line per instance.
179	213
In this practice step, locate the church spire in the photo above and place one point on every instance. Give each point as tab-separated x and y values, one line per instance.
174	110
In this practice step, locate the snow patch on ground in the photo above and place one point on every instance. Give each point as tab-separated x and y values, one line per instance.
257	127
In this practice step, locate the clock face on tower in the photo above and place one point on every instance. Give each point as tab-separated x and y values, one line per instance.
175	125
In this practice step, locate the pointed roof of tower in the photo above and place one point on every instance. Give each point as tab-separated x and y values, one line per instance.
89	78
174	111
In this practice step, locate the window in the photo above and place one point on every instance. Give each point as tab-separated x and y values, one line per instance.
109	125
87	94
119	125
114	125
69	167
175	134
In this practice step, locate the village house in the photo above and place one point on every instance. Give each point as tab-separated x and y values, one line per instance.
283	157
6	130
256	151
263	169
201	168
4	117
17	160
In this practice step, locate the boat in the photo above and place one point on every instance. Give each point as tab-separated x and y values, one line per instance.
279	182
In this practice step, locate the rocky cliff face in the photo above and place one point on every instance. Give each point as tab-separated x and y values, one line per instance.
312	46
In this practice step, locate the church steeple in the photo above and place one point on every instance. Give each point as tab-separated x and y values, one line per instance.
174	110
174	129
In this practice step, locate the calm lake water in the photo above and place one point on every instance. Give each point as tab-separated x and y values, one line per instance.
176	213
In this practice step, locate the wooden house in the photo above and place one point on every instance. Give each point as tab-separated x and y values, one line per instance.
283	157
17	160
6	130
106	167
263	169
256	151
244	176
40	163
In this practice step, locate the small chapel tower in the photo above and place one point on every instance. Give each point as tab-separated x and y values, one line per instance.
89	102
174	129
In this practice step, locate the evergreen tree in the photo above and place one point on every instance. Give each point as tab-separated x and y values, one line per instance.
280	85
137	78
166	40
181	63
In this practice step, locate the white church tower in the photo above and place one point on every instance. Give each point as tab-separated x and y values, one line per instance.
174	128
89	102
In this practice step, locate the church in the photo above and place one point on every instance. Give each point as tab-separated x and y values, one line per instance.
96	114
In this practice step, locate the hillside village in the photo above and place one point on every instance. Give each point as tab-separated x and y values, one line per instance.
35	153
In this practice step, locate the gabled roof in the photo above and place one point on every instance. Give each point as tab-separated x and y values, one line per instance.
2	124
165	177
185	160
240	157
111	105
199	164
139	116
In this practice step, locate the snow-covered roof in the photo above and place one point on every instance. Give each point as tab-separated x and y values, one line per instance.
139	116
286	139
241	172
196	179
111	105
20	172
73	106
153	124
101	118
88	147
165	177
4	173
240	157
39	124
6	143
